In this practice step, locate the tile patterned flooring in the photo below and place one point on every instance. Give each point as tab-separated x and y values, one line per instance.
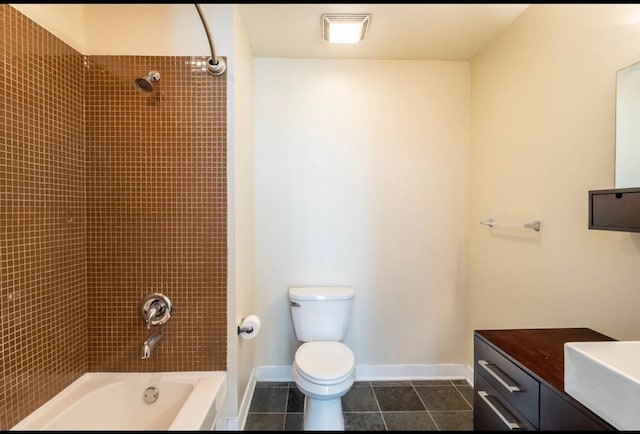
416	405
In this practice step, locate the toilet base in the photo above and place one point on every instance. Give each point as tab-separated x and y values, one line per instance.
323	414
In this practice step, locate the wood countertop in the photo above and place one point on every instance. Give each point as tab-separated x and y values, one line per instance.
540	351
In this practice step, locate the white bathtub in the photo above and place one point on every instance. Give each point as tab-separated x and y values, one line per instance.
114	401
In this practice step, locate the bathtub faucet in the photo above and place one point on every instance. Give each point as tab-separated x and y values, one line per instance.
150	344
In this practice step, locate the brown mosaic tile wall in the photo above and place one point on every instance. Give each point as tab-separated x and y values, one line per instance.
43	286
156	204
106	194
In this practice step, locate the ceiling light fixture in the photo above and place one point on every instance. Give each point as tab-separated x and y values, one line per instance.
345	28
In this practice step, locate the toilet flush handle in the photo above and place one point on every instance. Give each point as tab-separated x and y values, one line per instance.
293	304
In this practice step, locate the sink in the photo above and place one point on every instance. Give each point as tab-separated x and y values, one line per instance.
605	377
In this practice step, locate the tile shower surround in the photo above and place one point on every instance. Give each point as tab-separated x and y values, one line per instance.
106	194
156	212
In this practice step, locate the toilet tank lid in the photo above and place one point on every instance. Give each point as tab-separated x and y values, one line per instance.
321	293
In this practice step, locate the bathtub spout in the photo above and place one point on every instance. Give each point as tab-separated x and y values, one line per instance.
150	344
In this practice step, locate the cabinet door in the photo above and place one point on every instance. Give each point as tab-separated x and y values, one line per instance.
491	412
558	414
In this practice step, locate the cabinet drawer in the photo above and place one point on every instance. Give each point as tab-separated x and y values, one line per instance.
491	412
615	210
515	386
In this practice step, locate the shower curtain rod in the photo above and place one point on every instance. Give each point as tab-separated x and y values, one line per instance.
215	65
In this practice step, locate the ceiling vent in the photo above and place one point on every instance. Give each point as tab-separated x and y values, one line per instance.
345	28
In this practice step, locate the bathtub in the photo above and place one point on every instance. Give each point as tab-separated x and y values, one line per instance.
116	401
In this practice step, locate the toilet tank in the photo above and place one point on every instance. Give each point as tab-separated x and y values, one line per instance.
321	313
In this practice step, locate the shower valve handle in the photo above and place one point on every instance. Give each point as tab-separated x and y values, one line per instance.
156	309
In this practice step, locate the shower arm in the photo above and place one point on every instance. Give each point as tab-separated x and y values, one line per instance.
215	65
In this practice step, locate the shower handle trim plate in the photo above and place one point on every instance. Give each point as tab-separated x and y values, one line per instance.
156	309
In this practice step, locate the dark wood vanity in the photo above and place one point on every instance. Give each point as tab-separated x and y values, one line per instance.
519	381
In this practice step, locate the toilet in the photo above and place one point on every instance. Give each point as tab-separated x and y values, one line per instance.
324	368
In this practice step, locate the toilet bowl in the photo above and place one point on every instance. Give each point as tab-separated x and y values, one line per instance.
323	367
323	372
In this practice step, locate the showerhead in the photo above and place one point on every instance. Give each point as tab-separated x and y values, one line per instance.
148	82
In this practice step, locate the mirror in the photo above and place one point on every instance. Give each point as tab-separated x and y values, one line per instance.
627	167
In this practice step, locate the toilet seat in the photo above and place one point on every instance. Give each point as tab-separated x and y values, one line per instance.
324	363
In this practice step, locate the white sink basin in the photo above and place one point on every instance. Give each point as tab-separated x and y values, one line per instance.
605	377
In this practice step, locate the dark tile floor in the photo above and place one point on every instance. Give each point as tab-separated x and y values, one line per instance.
431	405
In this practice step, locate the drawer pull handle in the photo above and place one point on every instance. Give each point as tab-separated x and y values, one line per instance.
485	397
510	388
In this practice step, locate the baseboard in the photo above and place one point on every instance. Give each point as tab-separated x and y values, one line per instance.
469	375
273	373
410	372
380	372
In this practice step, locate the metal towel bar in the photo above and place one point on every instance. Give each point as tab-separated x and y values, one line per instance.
535	225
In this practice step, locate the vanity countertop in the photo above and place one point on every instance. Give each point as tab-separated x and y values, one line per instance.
541	351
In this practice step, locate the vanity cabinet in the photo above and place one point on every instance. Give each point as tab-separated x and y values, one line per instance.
519	381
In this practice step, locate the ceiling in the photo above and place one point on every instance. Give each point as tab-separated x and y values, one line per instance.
397	31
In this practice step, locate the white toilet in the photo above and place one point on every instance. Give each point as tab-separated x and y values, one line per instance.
324	368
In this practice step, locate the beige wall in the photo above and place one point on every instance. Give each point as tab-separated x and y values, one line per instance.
361	172
157	29
543	117
136	29
242	215
65	21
